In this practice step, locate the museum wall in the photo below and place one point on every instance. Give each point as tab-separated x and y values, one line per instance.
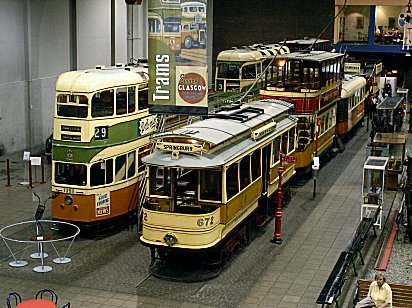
36	47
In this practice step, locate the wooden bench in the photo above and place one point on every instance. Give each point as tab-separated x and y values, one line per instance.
401	293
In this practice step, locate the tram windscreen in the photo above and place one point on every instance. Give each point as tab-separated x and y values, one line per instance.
228	70
72	106
71	174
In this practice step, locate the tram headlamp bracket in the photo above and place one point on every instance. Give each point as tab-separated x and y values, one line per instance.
170	239
175	155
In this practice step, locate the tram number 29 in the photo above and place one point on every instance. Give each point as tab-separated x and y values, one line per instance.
101	132
205	222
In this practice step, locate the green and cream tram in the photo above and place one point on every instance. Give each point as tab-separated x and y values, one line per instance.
101	132
209	179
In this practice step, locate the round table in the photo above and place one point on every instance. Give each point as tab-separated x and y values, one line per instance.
37	303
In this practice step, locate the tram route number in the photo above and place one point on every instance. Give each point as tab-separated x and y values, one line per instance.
101	132
205	222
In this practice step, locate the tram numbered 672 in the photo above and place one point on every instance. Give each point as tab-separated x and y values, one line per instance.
209	180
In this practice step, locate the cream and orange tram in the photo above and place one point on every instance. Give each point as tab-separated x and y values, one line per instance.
210	181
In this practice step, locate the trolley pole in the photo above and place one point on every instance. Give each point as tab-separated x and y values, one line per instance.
277	236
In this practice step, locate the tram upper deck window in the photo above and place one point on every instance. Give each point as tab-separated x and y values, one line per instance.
143	98
72	106
210	185
131	99
228	70
103	104
171	24
71	174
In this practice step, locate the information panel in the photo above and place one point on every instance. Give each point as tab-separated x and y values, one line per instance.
177	57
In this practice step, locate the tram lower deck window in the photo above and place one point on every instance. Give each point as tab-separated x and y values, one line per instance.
210	185
71	174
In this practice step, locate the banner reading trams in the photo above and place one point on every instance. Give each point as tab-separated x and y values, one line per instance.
177	56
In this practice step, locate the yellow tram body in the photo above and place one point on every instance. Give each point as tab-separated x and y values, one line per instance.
215	172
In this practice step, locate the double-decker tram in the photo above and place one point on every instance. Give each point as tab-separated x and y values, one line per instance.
351	106
209	183
370	69
239	68
101	132
312	81
164	23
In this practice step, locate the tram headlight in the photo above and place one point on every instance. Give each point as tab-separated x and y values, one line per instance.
68	200
170	239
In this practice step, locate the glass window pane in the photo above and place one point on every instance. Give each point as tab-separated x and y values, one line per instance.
245	172
131	164
72	174
121	101
143	99
97	174
109	171
131	99
275	150
256	165
232	180
103	104
120	165
210	185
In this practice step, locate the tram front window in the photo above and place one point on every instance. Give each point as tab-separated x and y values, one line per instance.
160	181
71	174
72	106
228	70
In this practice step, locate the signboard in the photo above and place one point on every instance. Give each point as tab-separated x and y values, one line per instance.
26	156
352	68
177	41
102	204
147	125
35	161
289	159
179	147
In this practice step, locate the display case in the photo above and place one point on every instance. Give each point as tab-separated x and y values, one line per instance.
374	173
396	143
389	116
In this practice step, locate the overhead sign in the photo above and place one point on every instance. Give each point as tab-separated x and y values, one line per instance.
179	147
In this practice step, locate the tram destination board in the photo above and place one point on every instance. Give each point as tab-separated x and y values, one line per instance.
289	159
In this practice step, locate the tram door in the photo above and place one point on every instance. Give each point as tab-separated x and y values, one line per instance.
263	213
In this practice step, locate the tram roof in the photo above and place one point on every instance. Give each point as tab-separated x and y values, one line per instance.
314	56
252	53
91	80
350	84
219	130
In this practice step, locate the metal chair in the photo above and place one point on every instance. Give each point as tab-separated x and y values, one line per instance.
67	305
17	298
52	294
